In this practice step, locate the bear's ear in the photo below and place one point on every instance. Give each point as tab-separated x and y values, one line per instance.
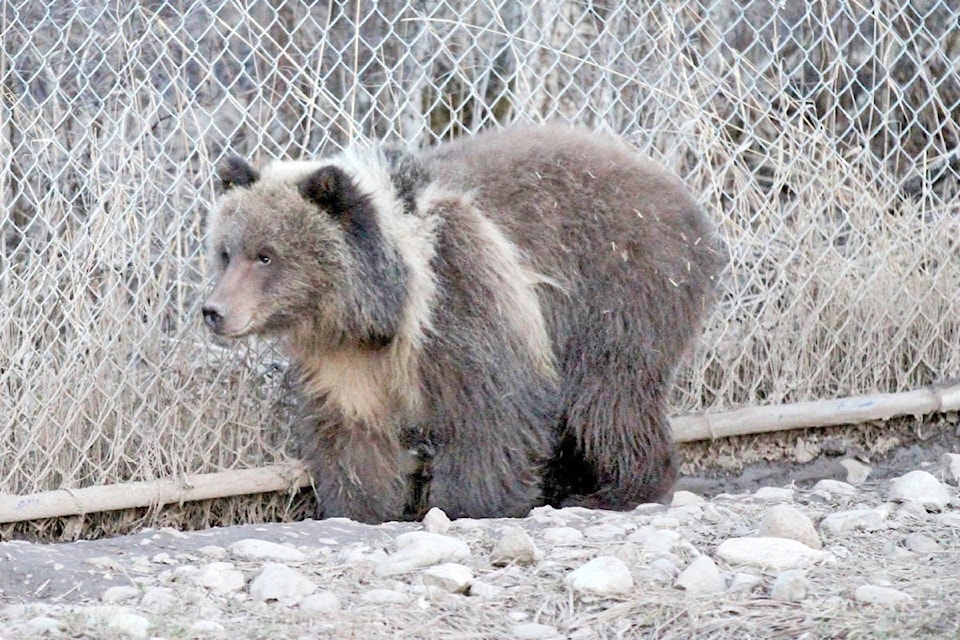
235	172
332	189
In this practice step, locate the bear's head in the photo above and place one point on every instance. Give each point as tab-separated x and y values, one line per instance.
300	248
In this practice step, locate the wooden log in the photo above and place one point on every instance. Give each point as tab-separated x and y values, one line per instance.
819	413
70	502
284	477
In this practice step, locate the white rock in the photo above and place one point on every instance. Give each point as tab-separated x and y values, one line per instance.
113	595
836	488
449	577
790	586
768	553
744	582
164	558
483	590
686	513
254	549
562	535
157	599
773	494
213	552
281	583
604	576
384	596
320	603
43	625
950	519
664	569
854	519
418	549
805	451
919	543
950	465
604	531
857	472
873	594
665	522
20	610
514	547
436	521
362	554
785	521
204	628
220	577
534	631
130	625
701	576
661	542
921	487
684	498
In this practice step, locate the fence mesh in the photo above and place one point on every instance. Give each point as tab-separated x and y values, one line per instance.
822	137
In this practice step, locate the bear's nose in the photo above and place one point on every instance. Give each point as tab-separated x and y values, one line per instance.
213	317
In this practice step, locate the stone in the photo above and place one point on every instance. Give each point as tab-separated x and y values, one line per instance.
436	521
885	596
684	498
419	549
158	599
836	488
44	626
744	582
950	466
483	590
790	586
280	583
220	577
857	472
254	549
604	531
660	542
855	519
323	602
204	628
602	576
701	577
773	494
785	521
919	543
921	487
129	624
562	535
113	595
514	547
768	553
449	577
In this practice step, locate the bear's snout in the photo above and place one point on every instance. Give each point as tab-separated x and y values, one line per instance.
213	317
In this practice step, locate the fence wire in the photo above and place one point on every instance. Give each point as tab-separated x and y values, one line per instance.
822	137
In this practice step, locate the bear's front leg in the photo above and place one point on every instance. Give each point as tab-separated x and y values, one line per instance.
358	473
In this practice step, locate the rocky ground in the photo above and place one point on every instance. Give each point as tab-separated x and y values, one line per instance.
874	557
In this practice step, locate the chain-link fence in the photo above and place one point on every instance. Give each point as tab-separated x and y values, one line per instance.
822	137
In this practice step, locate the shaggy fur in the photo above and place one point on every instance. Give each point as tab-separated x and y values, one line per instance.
510	306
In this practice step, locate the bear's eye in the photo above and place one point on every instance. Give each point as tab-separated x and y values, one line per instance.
224	256
263	258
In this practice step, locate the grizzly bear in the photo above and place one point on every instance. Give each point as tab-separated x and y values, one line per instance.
485	326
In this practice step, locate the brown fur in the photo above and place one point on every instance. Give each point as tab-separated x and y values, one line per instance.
512	304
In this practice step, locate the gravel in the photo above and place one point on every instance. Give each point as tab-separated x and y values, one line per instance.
831	560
